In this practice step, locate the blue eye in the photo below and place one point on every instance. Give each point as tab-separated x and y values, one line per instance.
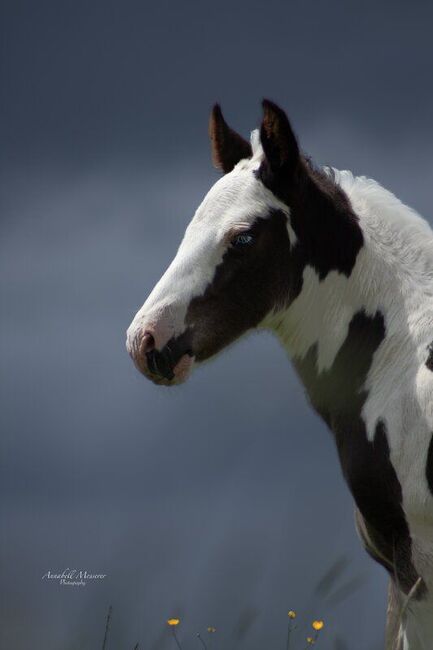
242	240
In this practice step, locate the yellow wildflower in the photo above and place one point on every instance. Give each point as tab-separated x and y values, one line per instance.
317	625
173	622
291	614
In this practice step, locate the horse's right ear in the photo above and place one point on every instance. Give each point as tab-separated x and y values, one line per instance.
279	146
228	147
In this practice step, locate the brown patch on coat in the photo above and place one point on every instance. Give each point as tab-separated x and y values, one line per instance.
429	466
338	394
247	285
429	362
321	215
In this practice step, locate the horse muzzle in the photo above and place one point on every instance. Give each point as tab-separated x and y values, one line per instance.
166	365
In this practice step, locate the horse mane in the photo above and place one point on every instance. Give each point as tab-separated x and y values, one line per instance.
383	205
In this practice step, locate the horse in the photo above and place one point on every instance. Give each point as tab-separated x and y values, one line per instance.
342	272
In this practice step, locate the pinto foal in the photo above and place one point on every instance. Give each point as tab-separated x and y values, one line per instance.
342	272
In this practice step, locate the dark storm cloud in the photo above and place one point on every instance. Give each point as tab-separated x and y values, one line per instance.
221	498
91	80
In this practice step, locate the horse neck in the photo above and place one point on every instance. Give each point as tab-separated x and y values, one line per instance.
391	279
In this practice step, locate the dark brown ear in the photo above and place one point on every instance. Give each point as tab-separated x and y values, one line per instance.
278	141
228	147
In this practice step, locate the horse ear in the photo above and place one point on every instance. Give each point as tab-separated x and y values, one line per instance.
279	144
228	147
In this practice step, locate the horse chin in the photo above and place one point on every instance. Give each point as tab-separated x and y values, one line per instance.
182	369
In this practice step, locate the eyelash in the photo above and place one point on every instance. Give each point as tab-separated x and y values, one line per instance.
242	240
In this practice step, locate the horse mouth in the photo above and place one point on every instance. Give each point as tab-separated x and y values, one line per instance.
167	366
159	370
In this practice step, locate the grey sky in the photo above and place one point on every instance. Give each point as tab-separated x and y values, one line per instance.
224	495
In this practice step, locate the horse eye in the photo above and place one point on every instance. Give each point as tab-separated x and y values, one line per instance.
244	239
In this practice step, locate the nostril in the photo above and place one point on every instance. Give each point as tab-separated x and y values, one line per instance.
147	343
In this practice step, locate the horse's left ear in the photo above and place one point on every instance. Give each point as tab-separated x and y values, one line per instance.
279	144
228	147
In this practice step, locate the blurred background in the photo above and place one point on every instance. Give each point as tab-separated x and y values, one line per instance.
220	501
